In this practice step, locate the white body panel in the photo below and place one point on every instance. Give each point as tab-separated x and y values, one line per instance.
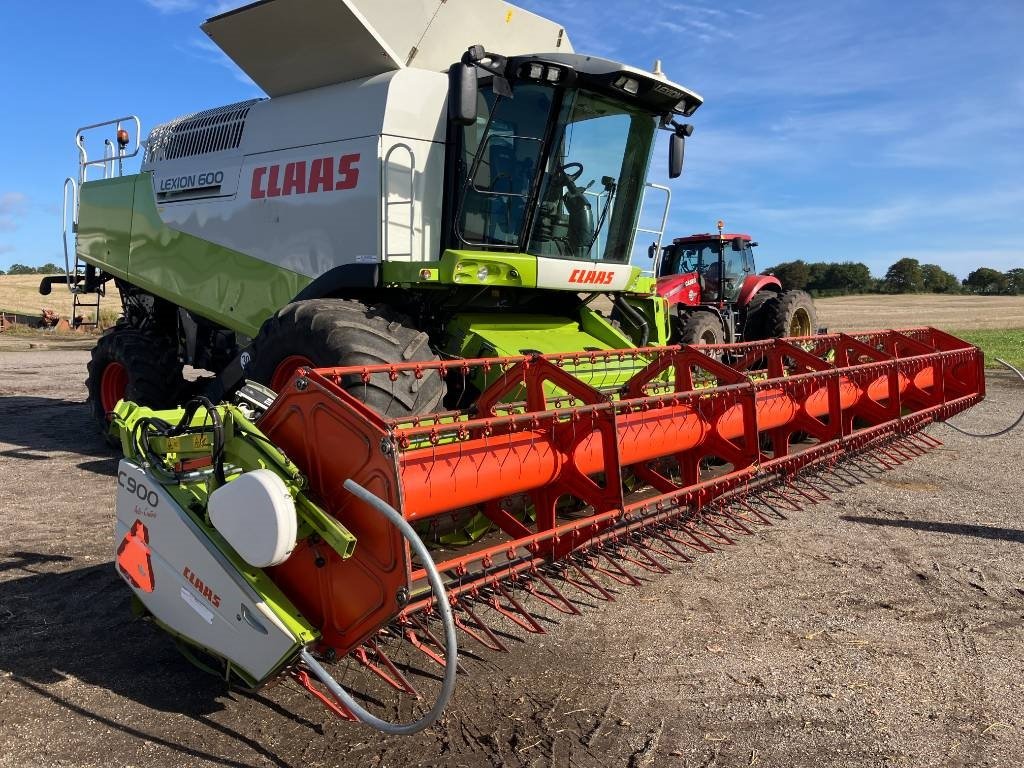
276	200
287	46
196	592
560	274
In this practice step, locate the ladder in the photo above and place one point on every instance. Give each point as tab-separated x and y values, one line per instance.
654	251
84	280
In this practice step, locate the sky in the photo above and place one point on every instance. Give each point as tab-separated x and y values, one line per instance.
848	130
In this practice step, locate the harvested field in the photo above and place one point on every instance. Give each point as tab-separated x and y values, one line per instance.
20	293
869	312
883	628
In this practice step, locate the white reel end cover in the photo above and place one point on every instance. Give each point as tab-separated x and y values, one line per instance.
255	513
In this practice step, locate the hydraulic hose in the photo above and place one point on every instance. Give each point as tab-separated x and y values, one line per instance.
1002	431
450	645
636	318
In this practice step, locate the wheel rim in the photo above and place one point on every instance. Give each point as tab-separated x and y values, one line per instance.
113	386
286	369
708	337
800	325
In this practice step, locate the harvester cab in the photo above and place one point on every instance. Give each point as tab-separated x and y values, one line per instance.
715	295
400	248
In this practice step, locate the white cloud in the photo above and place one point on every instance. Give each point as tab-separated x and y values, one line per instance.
12	207
210	52
173	6
185	6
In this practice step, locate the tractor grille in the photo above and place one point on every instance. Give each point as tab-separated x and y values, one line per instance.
212	130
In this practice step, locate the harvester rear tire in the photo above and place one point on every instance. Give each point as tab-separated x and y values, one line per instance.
135	365
341	332
701	328
791	314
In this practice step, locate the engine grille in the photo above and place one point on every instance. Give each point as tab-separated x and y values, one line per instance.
212	130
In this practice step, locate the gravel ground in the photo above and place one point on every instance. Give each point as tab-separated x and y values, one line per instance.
882	628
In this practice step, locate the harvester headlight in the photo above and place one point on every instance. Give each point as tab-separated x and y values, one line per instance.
628	84
482	273
553	74
536	71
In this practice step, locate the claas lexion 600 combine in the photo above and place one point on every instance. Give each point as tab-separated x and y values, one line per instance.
419	429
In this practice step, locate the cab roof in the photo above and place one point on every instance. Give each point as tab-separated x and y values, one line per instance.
711	236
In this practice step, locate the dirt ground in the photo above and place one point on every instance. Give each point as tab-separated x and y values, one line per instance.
883	628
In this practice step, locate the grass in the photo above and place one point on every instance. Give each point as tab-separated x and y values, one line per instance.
1006	343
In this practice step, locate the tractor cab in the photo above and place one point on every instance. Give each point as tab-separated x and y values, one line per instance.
705	268
716	296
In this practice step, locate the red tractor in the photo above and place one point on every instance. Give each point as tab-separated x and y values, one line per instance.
717	297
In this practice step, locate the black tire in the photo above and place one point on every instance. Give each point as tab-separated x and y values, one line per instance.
791	314
701	328
149	370
341	332
755	325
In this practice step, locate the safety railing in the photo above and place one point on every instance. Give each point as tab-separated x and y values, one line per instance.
115	152
659	233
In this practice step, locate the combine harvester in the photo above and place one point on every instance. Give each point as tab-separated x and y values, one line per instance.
450	441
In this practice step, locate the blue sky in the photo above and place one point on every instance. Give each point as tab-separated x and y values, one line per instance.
866	131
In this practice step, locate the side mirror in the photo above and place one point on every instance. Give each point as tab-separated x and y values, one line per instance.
676	147
462	94
652	250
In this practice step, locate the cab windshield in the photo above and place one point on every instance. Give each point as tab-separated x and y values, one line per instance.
553	173
702	258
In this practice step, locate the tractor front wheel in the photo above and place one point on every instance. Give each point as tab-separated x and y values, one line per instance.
323	333
131	364
791	314
701	328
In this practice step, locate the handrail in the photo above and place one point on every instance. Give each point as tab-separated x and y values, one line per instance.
72	277
83	156
659	233
387	199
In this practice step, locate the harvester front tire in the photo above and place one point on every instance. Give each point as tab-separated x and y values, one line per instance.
791	314
135	365
701	328
339	332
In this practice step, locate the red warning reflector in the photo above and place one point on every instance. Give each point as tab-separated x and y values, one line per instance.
133	557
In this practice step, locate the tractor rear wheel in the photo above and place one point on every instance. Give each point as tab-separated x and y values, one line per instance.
701	328
756	321
791	314
322	333
132	364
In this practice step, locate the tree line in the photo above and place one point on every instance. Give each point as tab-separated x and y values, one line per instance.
905	276
46	269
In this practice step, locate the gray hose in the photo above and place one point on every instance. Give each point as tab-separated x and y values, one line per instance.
450	645
1002	431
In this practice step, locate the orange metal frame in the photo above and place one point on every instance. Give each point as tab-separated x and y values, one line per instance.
631	458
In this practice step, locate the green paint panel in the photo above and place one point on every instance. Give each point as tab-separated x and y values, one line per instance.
488	335
514	270
228	287
105	223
